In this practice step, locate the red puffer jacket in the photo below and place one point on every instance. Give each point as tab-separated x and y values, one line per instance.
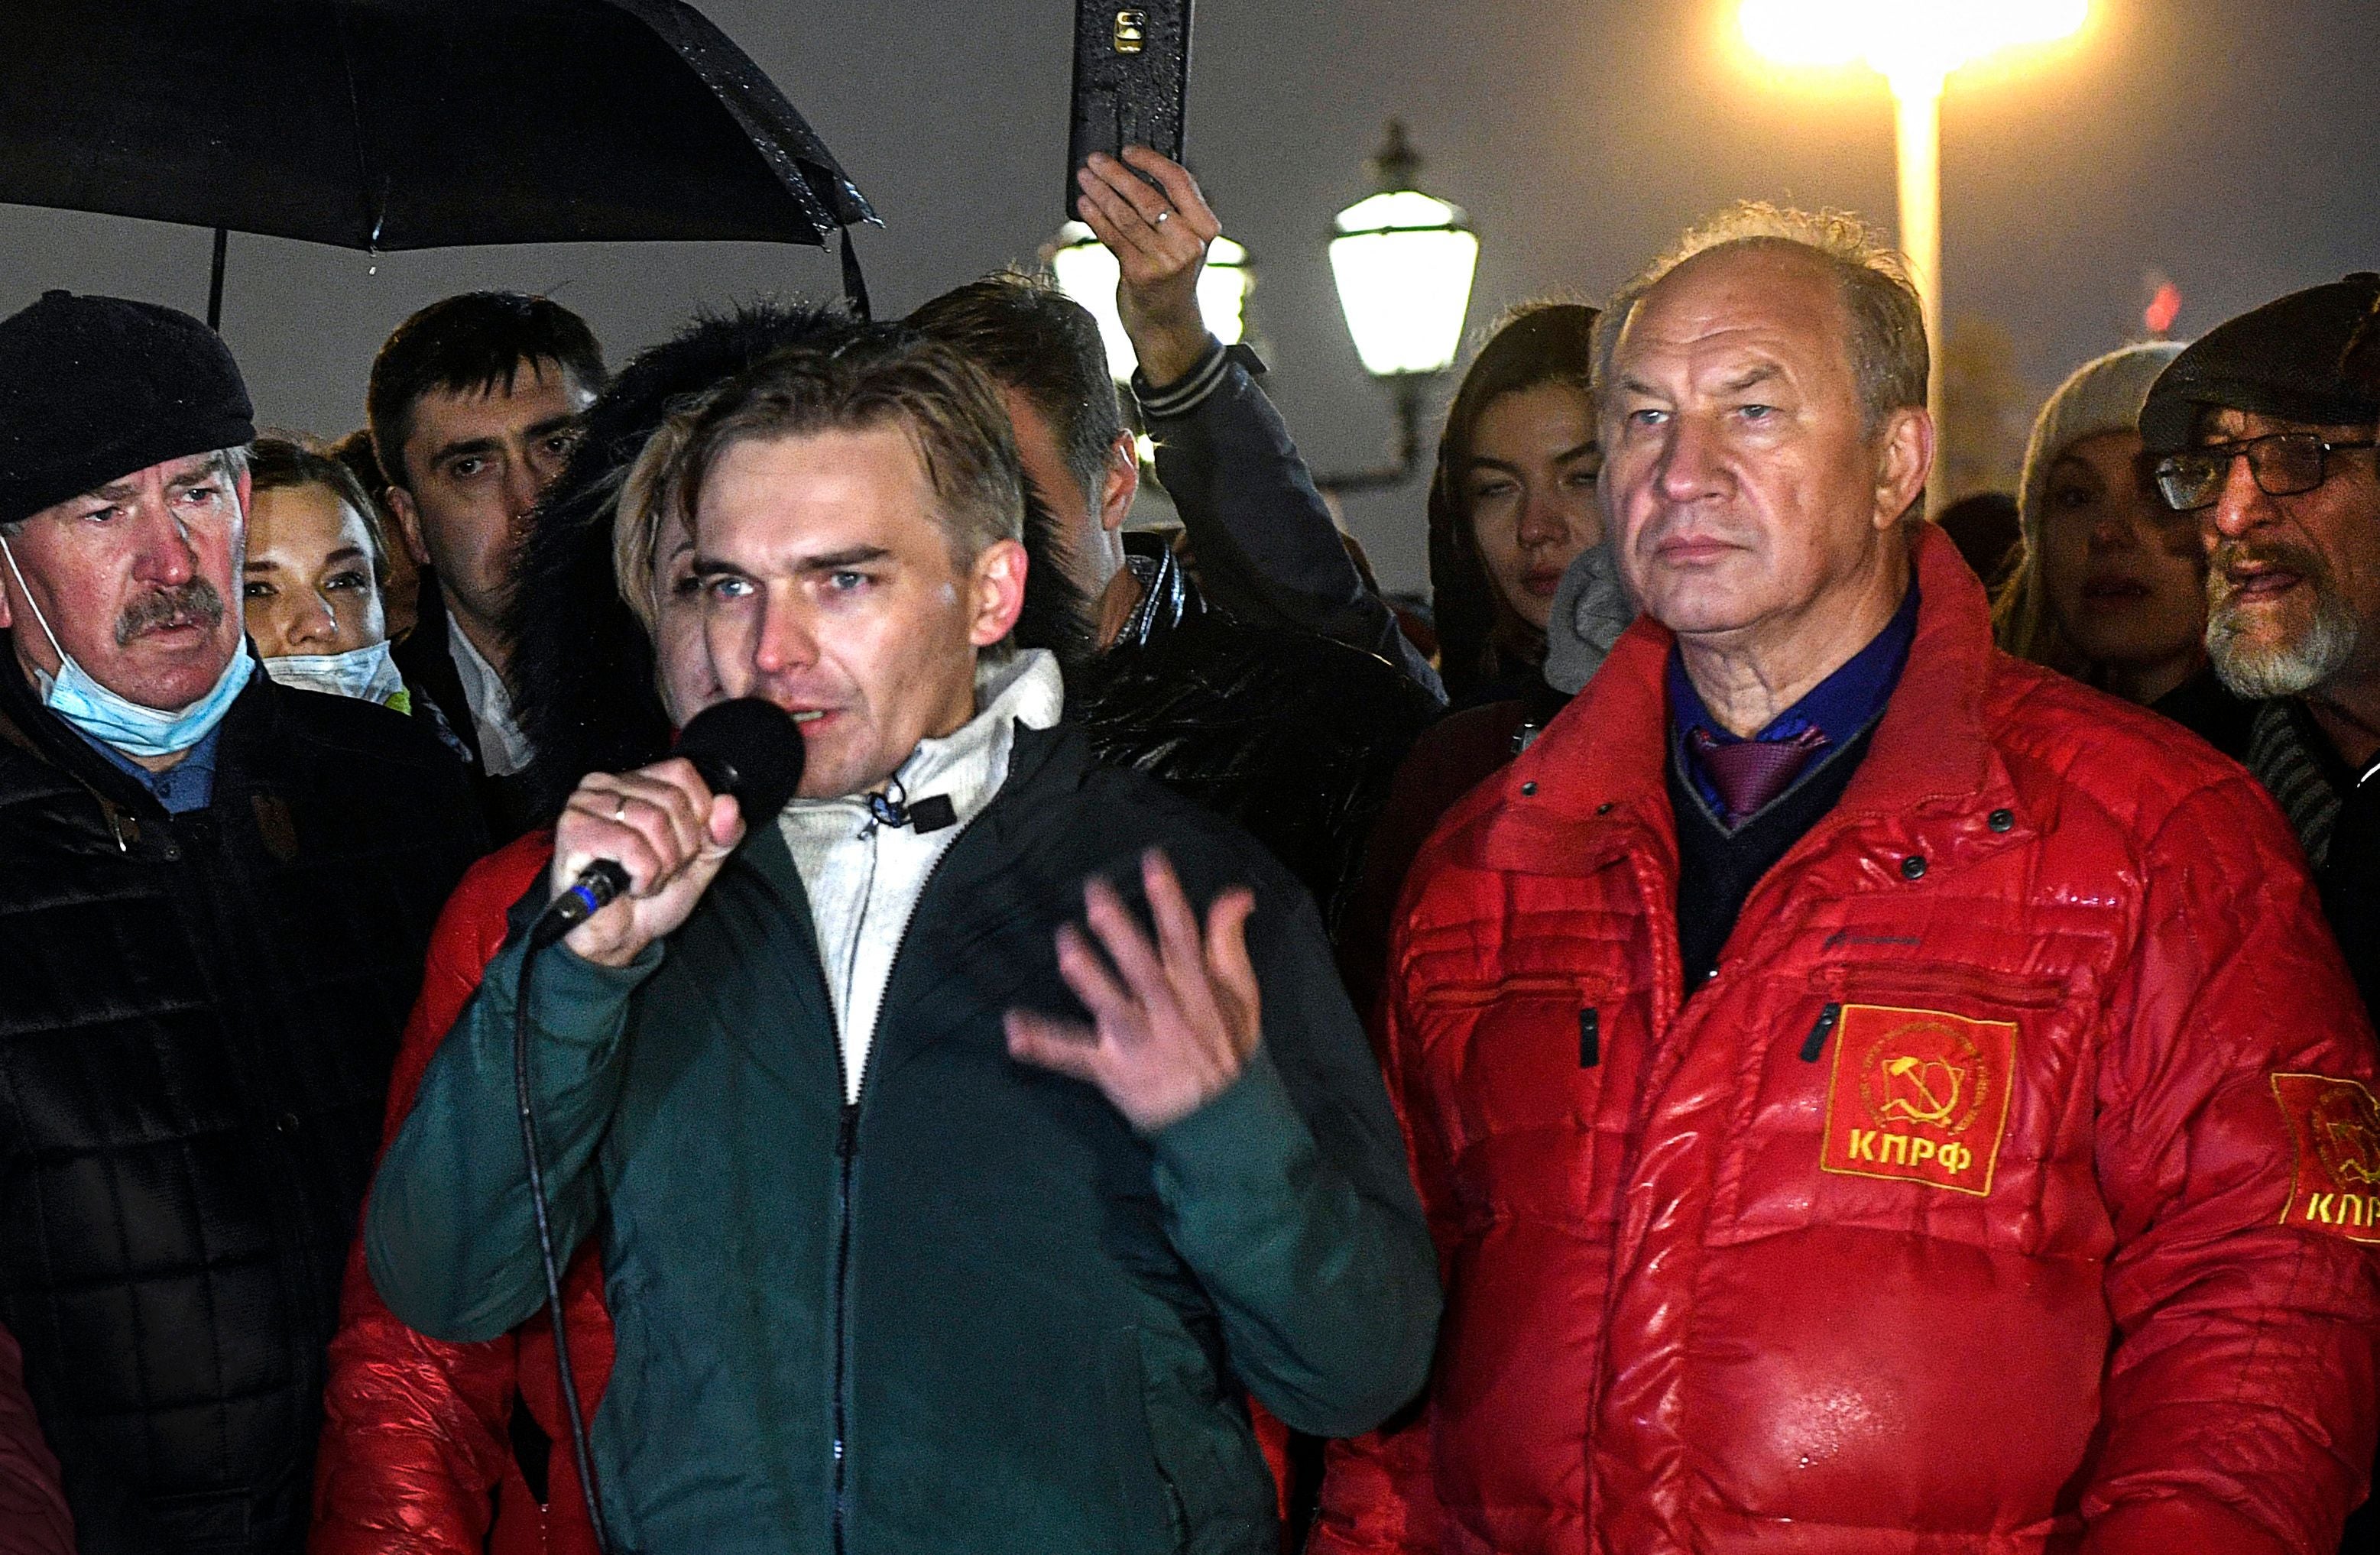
416	1432
2002	1191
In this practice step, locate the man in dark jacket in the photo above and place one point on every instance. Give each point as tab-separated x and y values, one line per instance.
2265	430
1282	707
217	892
878	1286
474	403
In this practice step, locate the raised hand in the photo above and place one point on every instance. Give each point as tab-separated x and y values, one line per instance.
662	825
1173	1023
1160	239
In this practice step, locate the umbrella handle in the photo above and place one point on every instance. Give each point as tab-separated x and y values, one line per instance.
214	281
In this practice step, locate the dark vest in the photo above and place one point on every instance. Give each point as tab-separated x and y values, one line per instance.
198	1013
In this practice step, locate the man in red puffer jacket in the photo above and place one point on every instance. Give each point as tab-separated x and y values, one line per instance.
1870	1094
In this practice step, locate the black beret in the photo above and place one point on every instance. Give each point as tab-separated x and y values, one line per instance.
94	388
2287	359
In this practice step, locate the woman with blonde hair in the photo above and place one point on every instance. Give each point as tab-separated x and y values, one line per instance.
2109	584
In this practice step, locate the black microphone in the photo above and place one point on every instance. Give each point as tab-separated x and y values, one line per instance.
750	747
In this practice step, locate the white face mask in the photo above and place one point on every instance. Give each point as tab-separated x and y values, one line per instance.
365	673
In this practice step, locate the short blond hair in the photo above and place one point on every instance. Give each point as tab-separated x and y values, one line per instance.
875	376
1888	323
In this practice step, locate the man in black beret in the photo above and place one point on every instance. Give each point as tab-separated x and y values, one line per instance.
217	892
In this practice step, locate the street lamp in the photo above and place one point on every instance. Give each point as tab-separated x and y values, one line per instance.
1914	45
1403	262
1088	273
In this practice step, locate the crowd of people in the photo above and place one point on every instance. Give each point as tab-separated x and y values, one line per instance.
1732	1029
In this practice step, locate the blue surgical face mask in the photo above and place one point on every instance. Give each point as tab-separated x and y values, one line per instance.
116	721
366	673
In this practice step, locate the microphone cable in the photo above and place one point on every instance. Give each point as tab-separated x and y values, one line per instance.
579	1451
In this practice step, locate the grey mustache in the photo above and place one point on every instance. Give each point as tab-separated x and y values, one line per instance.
194	604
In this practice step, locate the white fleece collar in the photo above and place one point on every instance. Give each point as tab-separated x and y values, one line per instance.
864	878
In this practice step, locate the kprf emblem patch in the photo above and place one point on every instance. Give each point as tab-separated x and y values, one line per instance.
2335	1127
1918	1096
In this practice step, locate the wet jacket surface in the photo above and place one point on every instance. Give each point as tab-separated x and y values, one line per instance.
1025	1328
2009	1187
1296	737
197	1018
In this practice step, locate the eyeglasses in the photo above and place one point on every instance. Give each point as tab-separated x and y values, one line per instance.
2283	464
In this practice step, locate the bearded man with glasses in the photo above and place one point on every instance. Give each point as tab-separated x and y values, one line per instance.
2265	430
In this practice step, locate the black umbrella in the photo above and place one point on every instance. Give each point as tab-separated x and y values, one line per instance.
387	125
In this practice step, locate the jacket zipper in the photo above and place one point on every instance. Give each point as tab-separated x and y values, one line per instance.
1816	1042
846	1142
1910	981
847	1152
845	1146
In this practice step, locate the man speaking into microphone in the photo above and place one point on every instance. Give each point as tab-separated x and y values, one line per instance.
966	1141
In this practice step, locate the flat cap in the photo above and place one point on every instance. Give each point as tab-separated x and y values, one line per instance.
2287	359
94	388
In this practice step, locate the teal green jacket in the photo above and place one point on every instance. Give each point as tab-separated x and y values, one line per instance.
974	1312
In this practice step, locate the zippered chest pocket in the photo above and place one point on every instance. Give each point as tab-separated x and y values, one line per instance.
1935	1099
1515	1074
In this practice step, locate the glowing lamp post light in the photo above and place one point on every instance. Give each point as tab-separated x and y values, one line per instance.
1914	45
1088	273
1403	262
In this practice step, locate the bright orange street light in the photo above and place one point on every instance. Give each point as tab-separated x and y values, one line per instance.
1914	45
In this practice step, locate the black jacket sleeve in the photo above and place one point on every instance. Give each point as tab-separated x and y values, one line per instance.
1268	551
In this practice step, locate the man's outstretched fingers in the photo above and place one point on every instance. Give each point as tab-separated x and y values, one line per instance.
1108	1000
1227	960
1178	944
1135	959
1055	1045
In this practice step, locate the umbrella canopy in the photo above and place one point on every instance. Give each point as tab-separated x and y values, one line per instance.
410	124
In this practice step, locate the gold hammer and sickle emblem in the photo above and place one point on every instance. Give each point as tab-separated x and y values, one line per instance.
2358	1151
2346	1133
1935	1083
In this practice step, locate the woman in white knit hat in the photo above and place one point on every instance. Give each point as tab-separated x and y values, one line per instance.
2110	585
